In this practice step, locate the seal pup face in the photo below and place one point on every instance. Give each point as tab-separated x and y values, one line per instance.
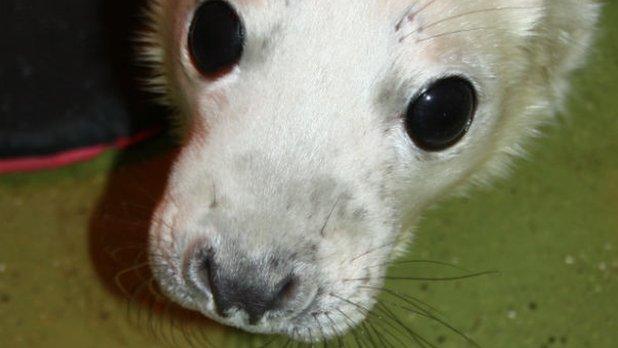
315	133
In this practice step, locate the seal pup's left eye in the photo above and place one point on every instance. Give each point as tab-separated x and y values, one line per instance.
216	38
441	116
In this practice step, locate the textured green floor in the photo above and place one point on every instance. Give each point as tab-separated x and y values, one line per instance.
551	230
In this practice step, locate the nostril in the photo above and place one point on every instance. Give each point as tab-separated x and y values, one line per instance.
202	271
207	271
208	277
288	290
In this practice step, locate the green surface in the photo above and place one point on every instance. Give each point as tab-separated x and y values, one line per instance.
551	230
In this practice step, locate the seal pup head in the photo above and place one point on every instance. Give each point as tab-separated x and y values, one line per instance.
316	132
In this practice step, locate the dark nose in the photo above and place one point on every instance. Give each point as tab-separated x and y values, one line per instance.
249	288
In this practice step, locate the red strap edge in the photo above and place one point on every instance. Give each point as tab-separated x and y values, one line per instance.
60	159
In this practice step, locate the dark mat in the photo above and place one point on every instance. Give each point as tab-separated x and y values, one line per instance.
67	80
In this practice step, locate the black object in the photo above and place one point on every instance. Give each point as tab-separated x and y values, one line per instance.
67	77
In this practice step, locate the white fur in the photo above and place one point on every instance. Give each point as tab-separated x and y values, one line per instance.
311	120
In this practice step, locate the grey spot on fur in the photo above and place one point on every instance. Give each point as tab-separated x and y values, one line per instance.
391	99
360	214
244	161
274	262
215	200
323	190
273	35
259	48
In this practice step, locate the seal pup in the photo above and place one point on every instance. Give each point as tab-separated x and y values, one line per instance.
315	133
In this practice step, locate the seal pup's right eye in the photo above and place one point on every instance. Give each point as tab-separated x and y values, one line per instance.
216	38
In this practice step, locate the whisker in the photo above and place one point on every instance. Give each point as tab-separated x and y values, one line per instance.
393	336
310	334
113	252
370	251
371	329
173	326
119	275
293	336
205	339
465	14
424	7
323	335
408	299
270	342
389	322
142	304
485	10
393	323
425	279
410	15
426	312
461	31
439	279
187	335
161	323
363	309
366	312
287	343
368	334
419	261
329	216
350	324
337	333
420	340
442	322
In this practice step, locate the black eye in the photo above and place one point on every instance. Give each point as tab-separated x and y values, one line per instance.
441	116
216	38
